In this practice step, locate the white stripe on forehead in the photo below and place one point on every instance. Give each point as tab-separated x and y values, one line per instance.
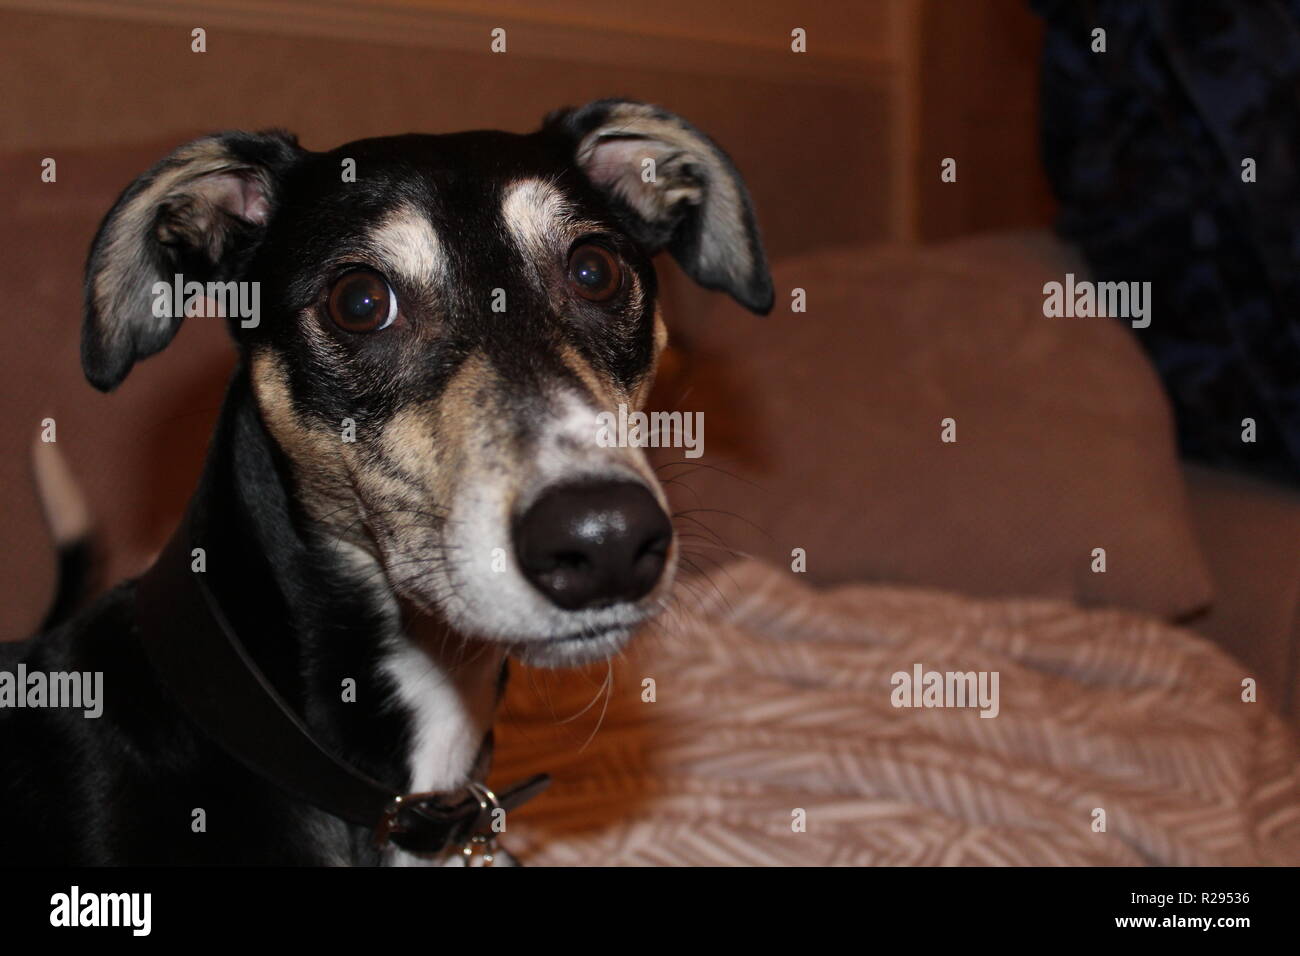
407	244
538	216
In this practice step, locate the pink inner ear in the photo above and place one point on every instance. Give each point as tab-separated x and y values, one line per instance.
239	195
611	160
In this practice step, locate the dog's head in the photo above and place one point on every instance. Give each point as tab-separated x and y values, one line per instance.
436	324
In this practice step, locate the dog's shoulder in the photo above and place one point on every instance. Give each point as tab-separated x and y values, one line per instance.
77	702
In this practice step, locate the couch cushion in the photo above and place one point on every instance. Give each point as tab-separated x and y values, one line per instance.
1249	530
823	432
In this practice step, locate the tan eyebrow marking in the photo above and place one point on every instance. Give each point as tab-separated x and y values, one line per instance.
407	243
537	214
540	218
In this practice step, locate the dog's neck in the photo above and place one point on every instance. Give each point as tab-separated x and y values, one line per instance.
390	691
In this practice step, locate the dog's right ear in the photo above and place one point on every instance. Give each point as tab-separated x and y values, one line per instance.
199	213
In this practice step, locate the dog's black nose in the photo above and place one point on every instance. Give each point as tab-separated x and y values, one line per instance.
593	544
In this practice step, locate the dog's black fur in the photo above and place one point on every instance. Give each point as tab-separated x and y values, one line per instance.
122	788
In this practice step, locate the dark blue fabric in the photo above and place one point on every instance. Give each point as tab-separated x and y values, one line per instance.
1144	145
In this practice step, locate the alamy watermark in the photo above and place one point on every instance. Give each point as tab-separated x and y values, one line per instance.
922	688
76	690
181	299
1085	299
651	430
74	908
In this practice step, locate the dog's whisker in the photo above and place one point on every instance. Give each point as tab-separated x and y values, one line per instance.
729	514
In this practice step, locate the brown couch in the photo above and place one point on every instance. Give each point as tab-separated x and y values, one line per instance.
824	434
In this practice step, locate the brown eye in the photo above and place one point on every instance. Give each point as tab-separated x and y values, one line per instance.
595	273
361	301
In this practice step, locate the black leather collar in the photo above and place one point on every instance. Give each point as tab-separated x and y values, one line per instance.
209	672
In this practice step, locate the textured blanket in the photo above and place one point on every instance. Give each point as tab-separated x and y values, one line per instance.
766	723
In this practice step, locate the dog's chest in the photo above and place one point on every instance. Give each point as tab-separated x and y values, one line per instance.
449	692
448	689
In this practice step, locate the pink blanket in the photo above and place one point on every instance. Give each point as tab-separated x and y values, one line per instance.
761	723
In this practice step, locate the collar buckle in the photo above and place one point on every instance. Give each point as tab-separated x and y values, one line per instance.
470	818
397	816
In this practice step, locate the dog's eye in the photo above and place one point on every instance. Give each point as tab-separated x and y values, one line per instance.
361	301
594	272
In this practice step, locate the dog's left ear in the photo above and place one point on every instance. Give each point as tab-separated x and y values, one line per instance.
199	213
675	189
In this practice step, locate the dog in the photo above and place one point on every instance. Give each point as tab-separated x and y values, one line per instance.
403	490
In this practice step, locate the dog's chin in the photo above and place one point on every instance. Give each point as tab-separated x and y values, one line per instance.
574	650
